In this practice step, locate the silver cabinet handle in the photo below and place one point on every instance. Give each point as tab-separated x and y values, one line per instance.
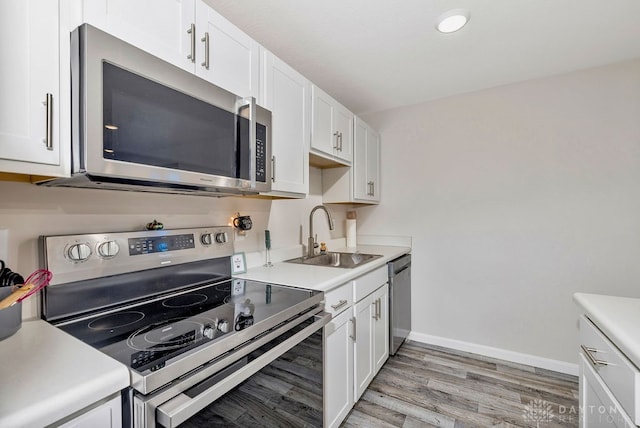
192	32
273	168
335	144
205	39
340	304
373	188
340	139
48	139
353	320
378	312
589	354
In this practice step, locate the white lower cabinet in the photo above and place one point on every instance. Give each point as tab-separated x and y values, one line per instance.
372	337
356	342
599	408
338	369
107	415
609	382
380	330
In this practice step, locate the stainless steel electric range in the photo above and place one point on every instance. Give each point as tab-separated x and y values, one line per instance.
164	304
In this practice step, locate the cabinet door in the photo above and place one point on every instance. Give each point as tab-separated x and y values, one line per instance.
30	71
338	369
373	164
363	347
343	124
599	407
233	56
366	163
323	137
287	95
361	185
381	328
107	415
160	27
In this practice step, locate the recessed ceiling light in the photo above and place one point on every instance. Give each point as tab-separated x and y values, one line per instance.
452	20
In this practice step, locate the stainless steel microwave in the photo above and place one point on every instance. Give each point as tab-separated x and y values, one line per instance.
140	123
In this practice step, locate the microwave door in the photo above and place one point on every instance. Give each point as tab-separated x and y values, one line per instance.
132	121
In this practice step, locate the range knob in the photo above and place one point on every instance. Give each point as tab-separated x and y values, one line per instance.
208	332
79	252
206	239
221	237
108	249
223	326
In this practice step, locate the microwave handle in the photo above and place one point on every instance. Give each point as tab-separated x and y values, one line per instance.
247	109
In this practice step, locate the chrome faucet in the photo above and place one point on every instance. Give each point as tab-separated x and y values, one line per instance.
312	244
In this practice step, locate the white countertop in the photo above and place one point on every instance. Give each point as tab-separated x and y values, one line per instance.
47	375
617	317
323	278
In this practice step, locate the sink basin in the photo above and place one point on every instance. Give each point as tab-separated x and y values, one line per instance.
339	260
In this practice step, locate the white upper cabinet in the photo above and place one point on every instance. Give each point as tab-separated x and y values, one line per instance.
359	183
159	27
366	163
30	87
185	33
332	128
286	93
225	55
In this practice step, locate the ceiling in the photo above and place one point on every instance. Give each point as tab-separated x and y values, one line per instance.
374	55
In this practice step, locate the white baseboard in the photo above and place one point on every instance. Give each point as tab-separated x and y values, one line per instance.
502	354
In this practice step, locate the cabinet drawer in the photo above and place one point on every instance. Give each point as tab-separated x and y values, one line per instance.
339	299
617	372
370	282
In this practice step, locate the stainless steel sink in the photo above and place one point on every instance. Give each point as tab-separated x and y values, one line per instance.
339	260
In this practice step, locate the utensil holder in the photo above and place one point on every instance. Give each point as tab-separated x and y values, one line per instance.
11	317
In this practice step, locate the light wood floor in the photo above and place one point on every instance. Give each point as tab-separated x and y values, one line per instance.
421	386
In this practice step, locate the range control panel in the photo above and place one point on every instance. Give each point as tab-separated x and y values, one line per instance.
161	244
80	257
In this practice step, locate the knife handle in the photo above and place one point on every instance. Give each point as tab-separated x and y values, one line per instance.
13	298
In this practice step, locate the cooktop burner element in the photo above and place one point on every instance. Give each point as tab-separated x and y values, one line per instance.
184	300
116	320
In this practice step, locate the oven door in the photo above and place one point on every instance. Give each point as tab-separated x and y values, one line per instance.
184	399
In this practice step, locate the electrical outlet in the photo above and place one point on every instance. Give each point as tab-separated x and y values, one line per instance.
4	244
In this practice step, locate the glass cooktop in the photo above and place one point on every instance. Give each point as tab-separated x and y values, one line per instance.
146	335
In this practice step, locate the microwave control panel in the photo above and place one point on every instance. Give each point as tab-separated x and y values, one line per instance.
261	153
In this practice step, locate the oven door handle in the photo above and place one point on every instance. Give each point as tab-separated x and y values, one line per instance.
180	408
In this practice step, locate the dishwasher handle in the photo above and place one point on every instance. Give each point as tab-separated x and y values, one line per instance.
398	265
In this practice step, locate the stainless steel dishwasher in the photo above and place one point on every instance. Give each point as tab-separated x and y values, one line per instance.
399	301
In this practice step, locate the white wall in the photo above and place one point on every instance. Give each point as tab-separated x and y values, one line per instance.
28	211
516	197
